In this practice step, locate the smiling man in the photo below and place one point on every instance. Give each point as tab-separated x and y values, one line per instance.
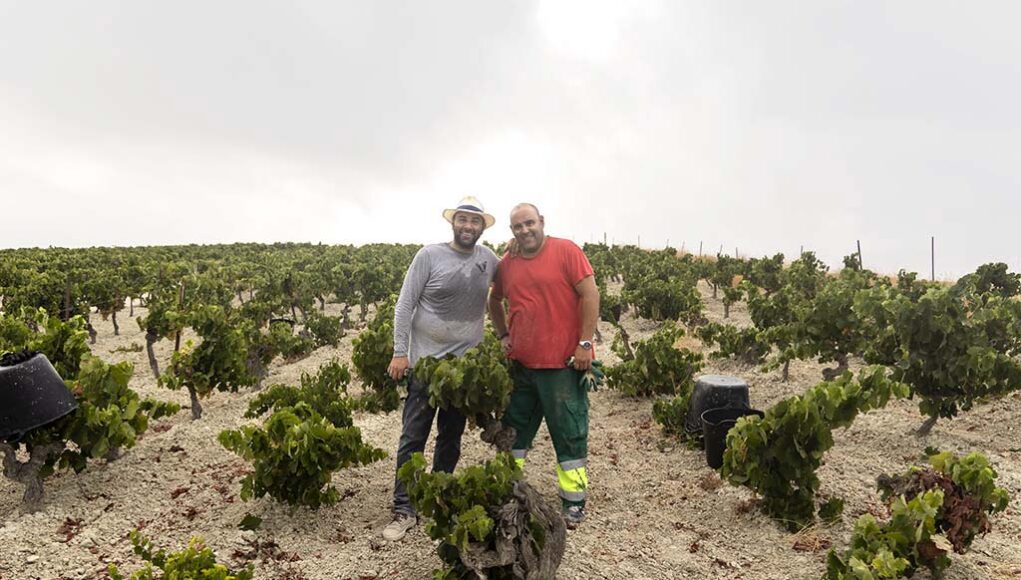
553	306
440	311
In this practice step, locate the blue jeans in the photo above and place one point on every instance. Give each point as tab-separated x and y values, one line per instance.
417	421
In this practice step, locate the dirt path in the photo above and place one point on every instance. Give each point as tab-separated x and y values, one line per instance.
656	511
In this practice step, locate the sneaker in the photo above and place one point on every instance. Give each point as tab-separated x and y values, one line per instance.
574	516
399	526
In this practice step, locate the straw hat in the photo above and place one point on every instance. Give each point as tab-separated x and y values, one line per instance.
469	205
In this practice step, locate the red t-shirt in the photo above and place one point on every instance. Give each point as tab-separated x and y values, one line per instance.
544	308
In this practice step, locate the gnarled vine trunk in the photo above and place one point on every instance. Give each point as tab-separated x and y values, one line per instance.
28	473
496	433
196	407
626	341
346	321
151	339
516	546
925	428
255	367
830	374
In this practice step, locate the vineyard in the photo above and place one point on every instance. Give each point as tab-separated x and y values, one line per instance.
234	416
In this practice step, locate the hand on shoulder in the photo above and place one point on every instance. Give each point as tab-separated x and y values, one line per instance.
512	248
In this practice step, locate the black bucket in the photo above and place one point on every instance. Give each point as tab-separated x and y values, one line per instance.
32	395
714	392
715	425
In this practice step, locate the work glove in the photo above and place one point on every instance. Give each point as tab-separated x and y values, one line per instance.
593	377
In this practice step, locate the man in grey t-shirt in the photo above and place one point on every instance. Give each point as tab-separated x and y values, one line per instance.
440	311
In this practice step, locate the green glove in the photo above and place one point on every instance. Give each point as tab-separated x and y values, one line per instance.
593	377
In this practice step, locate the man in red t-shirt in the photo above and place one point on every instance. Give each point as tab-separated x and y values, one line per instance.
552	309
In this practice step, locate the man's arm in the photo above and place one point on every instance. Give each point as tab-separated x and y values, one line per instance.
407	301
498	316
496	312
589	293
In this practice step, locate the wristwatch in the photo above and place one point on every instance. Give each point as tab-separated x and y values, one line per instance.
586	344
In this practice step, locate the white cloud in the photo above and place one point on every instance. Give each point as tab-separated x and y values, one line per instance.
766	127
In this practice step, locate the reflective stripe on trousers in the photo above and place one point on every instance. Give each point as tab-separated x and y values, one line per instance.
519	457
573	479
572	476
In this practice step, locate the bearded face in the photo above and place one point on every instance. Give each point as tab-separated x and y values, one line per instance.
468	228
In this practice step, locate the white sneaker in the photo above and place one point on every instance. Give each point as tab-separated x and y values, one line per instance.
399	526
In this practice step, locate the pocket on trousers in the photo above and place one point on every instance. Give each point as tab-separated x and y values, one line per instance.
578	418
577	408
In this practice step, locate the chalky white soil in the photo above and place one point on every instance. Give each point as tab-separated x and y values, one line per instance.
656	510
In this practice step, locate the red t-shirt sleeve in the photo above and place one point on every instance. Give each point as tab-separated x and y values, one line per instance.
574	262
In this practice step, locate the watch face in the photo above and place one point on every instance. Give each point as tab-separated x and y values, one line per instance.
585	344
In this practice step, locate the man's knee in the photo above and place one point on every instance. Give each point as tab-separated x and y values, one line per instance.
414	434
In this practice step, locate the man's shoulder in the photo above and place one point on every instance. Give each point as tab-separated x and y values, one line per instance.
437	248
434	252
428	256
563	246
487	253
562	242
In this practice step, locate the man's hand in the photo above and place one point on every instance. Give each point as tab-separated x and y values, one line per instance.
512	247
582	358
398	367
506	343
592	378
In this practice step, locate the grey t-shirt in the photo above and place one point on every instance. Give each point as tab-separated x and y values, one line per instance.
442	306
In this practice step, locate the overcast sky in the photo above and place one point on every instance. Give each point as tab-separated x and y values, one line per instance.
764	126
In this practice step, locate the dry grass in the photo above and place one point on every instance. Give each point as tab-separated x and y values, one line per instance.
811	539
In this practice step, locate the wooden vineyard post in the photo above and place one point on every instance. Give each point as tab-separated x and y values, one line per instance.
180	303
861	266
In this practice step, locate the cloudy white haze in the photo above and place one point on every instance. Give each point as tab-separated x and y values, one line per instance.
761	126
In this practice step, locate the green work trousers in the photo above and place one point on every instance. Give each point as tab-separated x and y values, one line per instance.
557	396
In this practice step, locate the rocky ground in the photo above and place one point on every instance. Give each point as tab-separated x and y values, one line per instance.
655	510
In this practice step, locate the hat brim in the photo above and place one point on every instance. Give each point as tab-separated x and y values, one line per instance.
448	214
